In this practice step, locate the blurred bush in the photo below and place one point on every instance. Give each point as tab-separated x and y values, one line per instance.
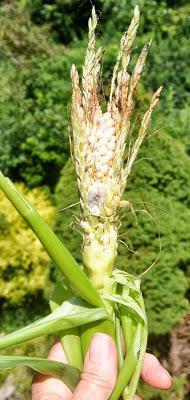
23	262
162	20
67	19
34	110
177	392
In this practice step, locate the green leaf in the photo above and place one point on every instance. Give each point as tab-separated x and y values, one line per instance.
129	302
70	338
71	313
61	292
68	374
129	394
51	243
129	365
128	280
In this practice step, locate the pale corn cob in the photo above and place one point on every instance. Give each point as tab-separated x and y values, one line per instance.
99	144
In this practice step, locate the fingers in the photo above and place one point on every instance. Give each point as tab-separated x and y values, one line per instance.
154	374
99	374
46	387
100	370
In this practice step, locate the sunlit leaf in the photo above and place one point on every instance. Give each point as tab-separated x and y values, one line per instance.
61	292
129	302
68	374
71	313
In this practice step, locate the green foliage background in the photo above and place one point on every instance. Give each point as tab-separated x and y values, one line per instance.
39	40
23	261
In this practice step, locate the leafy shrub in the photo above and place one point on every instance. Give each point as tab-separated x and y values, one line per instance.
177	392
67	19
166	24
164	21
34	111
23	262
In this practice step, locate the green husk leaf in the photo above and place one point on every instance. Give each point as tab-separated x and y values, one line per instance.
61	293
68	374
127	280
130	390
118	339
129	365
128	326
71	313
70	338
129	302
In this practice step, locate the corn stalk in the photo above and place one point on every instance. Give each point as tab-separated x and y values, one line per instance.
101	298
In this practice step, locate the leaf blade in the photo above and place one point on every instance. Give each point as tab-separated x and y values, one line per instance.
73	312
129	302
70	338
67	373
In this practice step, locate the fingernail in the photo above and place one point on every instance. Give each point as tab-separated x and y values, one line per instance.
168	375
99	350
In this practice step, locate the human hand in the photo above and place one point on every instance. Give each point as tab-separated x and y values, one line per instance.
99	373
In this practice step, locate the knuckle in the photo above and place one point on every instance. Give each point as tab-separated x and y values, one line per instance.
150	364
48	396
148	373
151	360
99	379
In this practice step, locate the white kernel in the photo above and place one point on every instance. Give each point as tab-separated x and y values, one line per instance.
87	131
110	131
105	158
88	159
85	147
98	165
103	127
91	236
92	139
99	174
105	239
113	139
85	225
106	116
99	134
94	210
104	169
110	123
108	134
109	155
111	146
96	157
102	142
103	150
110	174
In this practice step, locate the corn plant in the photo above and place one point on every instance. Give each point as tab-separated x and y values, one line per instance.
96	297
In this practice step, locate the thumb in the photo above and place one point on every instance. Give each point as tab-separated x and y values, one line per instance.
100	370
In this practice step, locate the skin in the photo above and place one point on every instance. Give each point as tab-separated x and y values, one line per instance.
99	373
